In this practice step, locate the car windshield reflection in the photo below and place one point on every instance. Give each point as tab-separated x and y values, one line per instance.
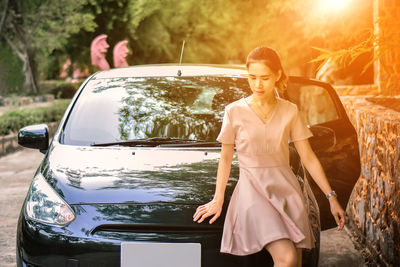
114	111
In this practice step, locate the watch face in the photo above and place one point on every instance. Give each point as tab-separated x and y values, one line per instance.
333	193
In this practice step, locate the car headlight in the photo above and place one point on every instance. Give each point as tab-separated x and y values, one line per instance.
45	205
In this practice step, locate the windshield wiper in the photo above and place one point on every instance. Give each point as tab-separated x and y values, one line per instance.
153	141
193	144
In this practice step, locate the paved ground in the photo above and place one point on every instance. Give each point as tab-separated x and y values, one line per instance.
337	250
17	170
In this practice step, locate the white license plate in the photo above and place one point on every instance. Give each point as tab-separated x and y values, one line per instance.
154	254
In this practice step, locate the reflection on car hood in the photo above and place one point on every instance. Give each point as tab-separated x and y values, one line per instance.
125	174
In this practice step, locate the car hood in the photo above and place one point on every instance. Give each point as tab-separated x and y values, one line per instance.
86	175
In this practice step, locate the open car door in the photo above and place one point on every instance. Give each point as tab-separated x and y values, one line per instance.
334	141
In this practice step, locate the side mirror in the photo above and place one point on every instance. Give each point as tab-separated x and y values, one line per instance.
34	136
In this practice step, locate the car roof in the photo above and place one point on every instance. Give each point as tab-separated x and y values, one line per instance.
165	70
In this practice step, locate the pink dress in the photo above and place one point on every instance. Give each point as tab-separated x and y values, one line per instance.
267	203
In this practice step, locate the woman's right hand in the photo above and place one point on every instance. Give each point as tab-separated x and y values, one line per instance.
337	212
214	207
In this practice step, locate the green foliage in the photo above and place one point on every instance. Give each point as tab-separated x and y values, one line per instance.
49	23
59	88
35	29
111	18
216	31
379	46
343	37
11	80
12	121
346	56
221	31
157	29
64	19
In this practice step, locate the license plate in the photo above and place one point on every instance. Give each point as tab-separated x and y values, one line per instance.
154	254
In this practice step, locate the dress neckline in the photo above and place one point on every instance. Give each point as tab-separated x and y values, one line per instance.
272	112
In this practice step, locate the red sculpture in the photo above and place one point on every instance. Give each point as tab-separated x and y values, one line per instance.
120	52
76	74
98	50
64	69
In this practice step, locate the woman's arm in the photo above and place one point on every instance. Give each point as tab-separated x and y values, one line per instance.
314	167
215	205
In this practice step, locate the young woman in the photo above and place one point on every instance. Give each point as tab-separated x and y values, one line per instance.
267	208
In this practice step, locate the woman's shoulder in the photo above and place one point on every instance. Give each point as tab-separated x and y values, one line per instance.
235	104
287	104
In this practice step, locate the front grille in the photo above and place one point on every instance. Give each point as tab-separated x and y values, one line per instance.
154	228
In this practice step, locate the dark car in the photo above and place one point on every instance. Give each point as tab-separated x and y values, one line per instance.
135	154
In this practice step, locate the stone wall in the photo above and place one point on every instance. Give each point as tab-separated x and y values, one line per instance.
9	143
374	206
357	90
387	52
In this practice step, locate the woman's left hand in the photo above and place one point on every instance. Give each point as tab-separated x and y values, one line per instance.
337	212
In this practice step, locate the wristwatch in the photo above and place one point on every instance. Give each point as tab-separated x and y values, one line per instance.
331	194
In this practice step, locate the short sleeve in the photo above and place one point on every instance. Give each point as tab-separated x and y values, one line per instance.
298	129
226	135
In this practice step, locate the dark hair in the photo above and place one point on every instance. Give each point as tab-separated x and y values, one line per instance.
269	57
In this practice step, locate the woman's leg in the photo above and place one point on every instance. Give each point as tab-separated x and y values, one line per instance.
284	253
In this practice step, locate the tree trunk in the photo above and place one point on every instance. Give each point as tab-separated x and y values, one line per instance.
30	73
22	49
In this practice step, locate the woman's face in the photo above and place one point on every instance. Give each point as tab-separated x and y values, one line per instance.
262	80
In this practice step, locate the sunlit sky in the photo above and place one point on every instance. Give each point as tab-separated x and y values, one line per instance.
333	5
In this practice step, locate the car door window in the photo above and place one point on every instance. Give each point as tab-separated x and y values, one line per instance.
314	103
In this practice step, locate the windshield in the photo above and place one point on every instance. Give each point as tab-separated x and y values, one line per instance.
120	109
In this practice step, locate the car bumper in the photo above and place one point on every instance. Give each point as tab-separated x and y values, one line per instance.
94	238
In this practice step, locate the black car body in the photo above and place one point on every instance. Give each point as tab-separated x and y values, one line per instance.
135	154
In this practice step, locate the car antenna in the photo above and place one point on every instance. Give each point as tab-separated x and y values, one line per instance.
180	61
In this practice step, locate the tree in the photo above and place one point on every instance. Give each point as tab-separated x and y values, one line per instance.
110	17
39	27
216	31
224	31
341	36
157	29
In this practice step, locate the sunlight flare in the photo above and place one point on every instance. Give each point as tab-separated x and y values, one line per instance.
334	5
